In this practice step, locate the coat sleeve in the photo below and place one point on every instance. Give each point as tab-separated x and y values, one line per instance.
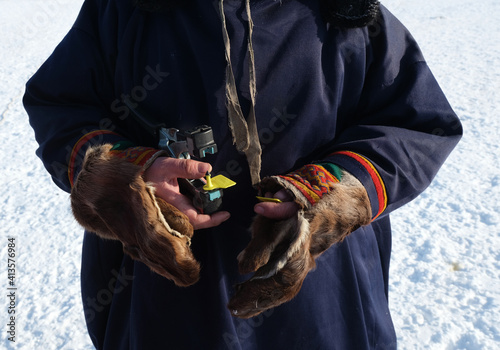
403	127
69	98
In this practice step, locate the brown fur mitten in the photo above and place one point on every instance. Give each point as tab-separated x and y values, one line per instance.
282	252
110	198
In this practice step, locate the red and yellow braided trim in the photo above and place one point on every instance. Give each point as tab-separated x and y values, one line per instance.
375	176
136	155
312	180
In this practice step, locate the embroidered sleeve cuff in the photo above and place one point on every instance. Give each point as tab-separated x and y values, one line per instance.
142	156
362	168
312	180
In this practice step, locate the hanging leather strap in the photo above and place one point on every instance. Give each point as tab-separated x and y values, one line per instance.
244	131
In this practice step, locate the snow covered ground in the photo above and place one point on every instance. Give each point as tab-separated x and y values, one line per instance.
445	273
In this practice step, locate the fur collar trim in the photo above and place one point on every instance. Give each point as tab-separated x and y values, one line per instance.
350	13
343	13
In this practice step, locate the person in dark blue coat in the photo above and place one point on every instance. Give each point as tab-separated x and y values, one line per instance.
327	106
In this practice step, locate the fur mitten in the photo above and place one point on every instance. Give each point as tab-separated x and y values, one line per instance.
110	198
282	252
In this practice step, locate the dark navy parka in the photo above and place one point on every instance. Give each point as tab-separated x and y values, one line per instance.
361	98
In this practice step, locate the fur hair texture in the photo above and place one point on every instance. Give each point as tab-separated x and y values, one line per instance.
282	252
350	13
342	13
110	198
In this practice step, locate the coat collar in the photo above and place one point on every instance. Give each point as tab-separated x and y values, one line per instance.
342	13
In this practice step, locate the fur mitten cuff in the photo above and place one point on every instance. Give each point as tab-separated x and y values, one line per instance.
282	252
110	198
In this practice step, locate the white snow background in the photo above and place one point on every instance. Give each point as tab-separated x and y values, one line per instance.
444	283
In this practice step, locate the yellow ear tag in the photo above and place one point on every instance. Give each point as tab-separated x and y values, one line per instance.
217	182
267	199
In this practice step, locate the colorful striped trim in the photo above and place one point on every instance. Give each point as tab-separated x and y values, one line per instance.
312	180
333	169
78	146
136	155
375	176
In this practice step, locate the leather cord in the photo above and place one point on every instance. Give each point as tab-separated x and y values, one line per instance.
244	130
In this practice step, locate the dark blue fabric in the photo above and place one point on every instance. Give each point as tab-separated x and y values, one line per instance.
320	89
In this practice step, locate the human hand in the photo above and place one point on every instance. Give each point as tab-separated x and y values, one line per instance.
278	211
163	175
